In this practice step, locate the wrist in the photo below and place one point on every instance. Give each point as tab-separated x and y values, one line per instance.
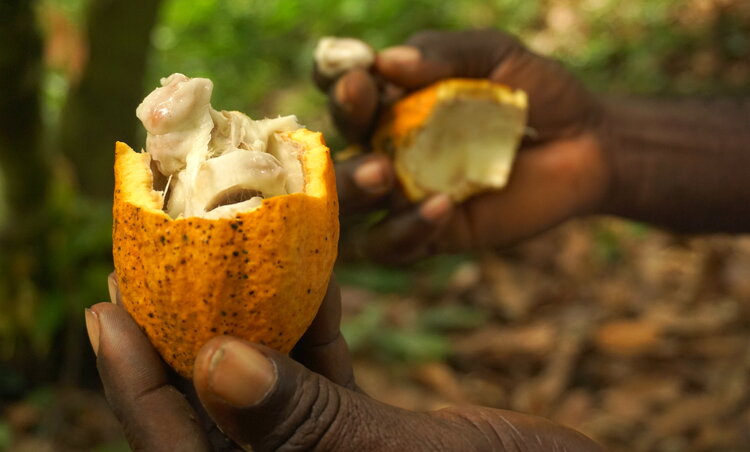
605	137
586	171
678	163
596	176
587	163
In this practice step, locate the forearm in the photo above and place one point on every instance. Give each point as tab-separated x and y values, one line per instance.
681	164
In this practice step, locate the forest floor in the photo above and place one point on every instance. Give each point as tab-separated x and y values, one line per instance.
637	338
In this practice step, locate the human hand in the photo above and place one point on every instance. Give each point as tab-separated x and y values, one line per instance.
268	401
559	173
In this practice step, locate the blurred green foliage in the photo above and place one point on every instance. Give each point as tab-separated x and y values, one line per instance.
3	203
370	332
421	339
5	436
382	331
258	49
259	55
118	446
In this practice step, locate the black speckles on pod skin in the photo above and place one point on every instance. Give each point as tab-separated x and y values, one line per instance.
260	276
260	285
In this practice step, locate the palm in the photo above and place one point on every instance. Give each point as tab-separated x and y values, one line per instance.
559	172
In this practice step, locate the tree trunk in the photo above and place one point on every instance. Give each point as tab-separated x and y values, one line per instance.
25	174
101	108
21	156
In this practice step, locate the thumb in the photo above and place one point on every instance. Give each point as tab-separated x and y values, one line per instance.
429	56
266	401
409	235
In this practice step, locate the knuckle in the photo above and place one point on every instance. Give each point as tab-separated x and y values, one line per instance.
470	53
311	420
498	36
426	38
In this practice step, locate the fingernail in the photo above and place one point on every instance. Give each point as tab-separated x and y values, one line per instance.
240	375
372	177
404	57
437	209
92	327
113	287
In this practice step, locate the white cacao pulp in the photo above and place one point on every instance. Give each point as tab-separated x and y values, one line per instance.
334	56
218	163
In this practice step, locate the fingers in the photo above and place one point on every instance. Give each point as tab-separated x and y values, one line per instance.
267	401
550	184
433	55
323	349
427	57
353	103
409	235
114	289
250	393
363	181
558	104
154	415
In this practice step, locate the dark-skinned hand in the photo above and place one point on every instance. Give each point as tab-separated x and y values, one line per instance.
560	172
267	401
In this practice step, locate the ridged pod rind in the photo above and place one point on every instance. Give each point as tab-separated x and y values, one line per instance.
260	276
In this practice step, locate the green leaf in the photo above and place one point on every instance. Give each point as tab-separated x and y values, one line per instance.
48	321
6	435
440	269
452	317
374	277
360	330
43	397
117	446
412	346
